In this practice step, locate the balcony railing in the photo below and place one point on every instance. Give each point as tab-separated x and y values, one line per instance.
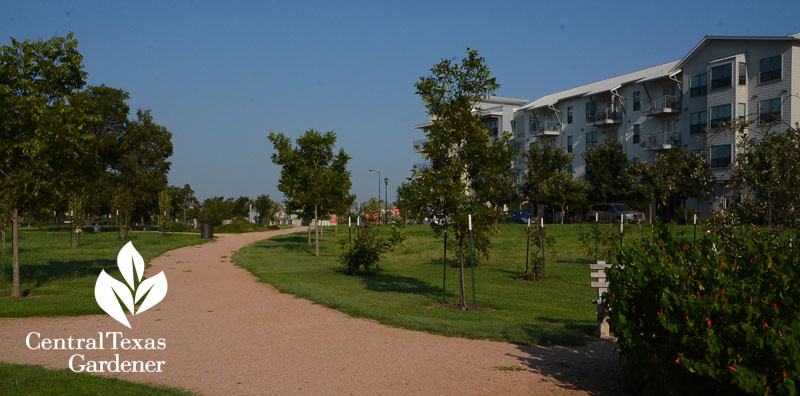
664	140
419	145
665	105
547	128
609	116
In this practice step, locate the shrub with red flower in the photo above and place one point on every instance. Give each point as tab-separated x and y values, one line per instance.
703	325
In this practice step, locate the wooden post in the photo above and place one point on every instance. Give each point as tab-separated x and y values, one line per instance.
602	287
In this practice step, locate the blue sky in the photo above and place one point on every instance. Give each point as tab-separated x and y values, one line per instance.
220	76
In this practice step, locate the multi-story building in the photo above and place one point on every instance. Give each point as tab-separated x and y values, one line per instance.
681	103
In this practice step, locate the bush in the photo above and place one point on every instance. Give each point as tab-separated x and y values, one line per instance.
369	246
534	267
717	318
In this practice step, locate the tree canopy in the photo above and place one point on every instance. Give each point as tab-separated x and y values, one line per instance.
314	180
468	169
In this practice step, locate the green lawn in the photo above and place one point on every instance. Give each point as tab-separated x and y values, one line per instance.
57	280
19	379
408	286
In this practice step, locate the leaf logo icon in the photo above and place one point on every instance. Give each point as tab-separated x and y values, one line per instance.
112	295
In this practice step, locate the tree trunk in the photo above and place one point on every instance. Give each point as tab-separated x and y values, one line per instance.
316	232
4	240
562	215
651	212
461	271
15	252
309	235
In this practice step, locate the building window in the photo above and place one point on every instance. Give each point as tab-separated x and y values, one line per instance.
591	139
532	123
569	115
698	85
721	76
721	156
770	69
636	133
491	125
720	115
698	122
636	105
569	144
591	108
741	112
769	110
742	73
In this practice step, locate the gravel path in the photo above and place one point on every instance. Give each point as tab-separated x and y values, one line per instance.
227	333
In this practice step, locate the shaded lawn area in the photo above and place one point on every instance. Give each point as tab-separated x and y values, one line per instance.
19	379
57	280
408	285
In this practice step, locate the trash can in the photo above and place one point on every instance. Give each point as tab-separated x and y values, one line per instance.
206	229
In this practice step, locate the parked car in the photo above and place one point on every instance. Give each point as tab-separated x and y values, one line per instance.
611	212
516	216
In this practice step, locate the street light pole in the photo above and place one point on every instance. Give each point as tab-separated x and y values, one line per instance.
386	200
378	198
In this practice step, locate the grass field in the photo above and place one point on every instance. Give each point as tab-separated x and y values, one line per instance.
57	280
406	289
19	379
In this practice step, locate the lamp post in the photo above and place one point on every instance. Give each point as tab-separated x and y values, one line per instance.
386	200
378	198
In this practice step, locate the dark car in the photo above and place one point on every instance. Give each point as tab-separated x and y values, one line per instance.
516	216
611	212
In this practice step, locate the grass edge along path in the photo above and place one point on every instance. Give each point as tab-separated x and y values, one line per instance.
406	289
57	280
23	379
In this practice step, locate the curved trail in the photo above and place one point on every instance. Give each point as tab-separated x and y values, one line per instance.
227	333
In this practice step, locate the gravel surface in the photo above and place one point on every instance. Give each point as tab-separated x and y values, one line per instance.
226	333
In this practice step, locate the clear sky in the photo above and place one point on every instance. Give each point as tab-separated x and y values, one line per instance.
220	75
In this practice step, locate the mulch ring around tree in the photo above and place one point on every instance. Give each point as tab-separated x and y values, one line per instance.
457	307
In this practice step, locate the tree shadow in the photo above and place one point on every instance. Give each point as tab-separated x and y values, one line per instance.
53	270
593	368
380	282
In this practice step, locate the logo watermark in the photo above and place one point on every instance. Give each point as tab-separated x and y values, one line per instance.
146	292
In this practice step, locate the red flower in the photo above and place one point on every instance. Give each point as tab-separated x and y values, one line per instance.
659	243
723	292
774	305
687	318
698	293
766	325
784	374
731	367
684	248
677	360
709	323
375	217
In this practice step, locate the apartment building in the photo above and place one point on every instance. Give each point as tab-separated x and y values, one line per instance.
681	103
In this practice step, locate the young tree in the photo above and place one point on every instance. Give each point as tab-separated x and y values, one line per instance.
766	176
267	209
680	174
562	190
313	179
122	205
547	163
164	205
608	173
41	133
468	168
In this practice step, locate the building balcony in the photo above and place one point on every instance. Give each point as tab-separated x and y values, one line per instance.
419	146
607	117
547	128
664	106
664	140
